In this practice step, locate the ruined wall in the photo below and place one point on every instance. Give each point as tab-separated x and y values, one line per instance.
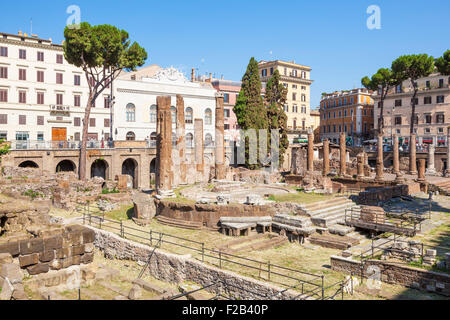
51	249
176	268
375	196
396	274
209	214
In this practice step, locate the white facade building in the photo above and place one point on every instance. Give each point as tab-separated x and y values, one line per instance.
135	105
42	97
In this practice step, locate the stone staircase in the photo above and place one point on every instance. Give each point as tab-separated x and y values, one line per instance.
329	214
443	187
193	225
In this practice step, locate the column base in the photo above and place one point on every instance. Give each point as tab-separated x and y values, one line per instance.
165	194
399	178
413	173
431	172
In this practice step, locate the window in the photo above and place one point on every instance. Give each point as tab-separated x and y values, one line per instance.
77	136
226	126
428	84
3	119
3	135
40	56
153	137
22	136
271	71
427	100
173	112
106	123
428	118
92	122
264	72
3	95
441	83
40	136
40	97
40	120
398	89
131	136
303	98
294	73
427	130
59	99
189	140
153	114
294	96
4	72
416	119
77	122
226	113
440	99
106	102
294	86
208	140
23	74
59	78
22	54
208	116
294	108
226	98
77	101
59	58
440	118
77	80
398	103
295	124
3	52
22	119
189	115
40	76
131	113
398	120
22	96
416	101
286	108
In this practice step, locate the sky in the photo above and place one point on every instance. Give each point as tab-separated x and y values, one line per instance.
220	37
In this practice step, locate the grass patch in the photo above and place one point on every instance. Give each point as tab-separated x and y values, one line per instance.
125	212
300	197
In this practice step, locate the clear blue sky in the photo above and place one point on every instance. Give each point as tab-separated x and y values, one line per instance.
220	36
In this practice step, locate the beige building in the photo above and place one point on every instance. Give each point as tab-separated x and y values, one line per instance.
432	111
296	78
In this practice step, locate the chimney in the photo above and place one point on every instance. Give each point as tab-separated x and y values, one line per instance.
20	33
193	75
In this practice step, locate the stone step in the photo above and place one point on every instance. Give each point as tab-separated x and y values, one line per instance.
179	223
340	230
323	204
334	208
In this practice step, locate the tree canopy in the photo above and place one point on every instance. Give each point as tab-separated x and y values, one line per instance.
443	63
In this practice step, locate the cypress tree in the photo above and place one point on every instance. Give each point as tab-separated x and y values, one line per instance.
249	109
276	95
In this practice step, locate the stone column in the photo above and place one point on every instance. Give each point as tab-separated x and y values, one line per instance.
164	175
380	165
447	171
431	169
181	142
366	164
342	155
412	155
421	173
310	163
198	144
396	155
220	142
326	157
360	168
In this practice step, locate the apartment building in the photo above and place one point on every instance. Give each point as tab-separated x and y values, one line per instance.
349	111
42	97
432	116
296	78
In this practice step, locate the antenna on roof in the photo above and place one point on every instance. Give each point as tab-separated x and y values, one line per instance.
31	26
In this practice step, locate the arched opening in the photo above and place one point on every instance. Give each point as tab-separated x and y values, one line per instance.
173	111
189	115
130	168
66	166
208	140
131	113
131	136
153	172
28	164
100	169
208	116
189	140
153	114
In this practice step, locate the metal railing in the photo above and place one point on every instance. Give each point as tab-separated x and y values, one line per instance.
57	145
307	283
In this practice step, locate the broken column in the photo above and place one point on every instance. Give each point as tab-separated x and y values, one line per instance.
326	157
198	144
360	160
342	154
447	171
181	142
431	170
396	155
310	163
380	166
164	174
366	165
220	143
412	154
421	173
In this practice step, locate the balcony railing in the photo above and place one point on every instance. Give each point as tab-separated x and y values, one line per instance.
57	145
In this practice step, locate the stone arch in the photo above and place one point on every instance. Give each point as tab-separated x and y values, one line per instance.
100	168
28	164
130	167
66	166
131	136
153	172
